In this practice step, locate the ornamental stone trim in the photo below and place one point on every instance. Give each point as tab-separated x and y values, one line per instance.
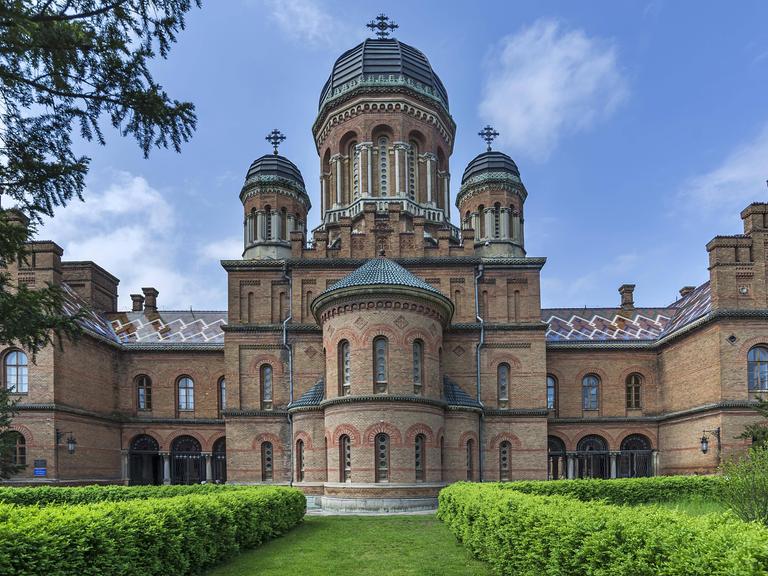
353	304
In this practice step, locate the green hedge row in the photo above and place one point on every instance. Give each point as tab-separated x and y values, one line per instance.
525	534
630	491
44	495
180	536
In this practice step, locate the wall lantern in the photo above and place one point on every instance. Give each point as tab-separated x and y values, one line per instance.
71	442
715	432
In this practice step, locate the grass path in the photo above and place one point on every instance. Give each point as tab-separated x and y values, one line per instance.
360	546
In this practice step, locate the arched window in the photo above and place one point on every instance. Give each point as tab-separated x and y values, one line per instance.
556	458
266	386
220	461
300	460
344	369
308	311
413	170
267	222
592	443
505	450
186	394
757	369
381	446
418	366
14	448
502	381
267	462
634	383
354	171
590	386
251	310
222	394
635	459
497	220
551	393
636	442
17	372
143	393
481	220
345	459
470	460
187	461
420	457
383	148
380	359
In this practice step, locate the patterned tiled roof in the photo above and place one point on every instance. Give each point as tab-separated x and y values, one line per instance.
455	395
381	271
311	397
186	326
90	321
691	308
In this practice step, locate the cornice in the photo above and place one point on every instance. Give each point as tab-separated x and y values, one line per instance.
658	418
277	413
532	263
386	398
252	189
490	181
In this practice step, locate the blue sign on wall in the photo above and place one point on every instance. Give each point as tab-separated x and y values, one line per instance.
41	471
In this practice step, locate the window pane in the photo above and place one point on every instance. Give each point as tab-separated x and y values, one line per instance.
550	393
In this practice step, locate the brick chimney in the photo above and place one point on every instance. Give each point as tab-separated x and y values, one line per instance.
627	296
685	290
138	302
150	299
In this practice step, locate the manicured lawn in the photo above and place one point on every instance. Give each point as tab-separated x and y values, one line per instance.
695	506
359	545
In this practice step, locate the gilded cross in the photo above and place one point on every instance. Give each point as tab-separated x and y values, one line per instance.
275	138
488	134
382	25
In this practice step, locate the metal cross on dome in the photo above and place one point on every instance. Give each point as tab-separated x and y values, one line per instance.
382	25
488	134
275	138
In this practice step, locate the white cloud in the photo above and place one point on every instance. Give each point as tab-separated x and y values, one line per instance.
304	20
739	180
225	249
130	230
545	82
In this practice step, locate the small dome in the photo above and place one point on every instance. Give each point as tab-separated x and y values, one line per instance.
493	161
277	166
387	62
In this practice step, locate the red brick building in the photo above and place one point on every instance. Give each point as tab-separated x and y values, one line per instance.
391	351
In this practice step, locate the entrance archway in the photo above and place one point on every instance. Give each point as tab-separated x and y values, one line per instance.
592	457
145	466
635	458
187	462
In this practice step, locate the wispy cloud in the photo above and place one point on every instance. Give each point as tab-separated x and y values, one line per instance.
304	20
545	82
129	228
224	249
737	181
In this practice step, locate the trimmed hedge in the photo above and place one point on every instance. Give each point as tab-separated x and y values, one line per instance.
181	535
630	491
44	495
527	534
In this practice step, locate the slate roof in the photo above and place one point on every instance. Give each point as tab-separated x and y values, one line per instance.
275	165
311	397
381	272
169	326
455	395
491	161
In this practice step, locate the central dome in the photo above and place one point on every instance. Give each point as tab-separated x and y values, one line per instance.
387	62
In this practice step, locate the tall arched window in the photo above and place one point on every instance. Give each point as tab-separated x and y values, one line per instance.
413	170
282	234
186	393
381	446
634	384
418	366
267	462
551	392
420	457
143	393
266	386
344	369
300	460
505	449
481	221
497	220
590	386
345	459
380	360
17	372
383	148
470	460
15	453
502	381
222	394
757	369
353	156
267	222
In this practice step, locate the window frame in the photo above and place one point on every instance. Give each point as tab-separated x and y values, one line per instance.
757	382
143	401
381	458
345	458
633	390
267	461
553	405
300	460
590	393
418	366
470	447
189	394
505	461
345	368
221	393
502	393
420	457
20	367
17	453
380	385
266	393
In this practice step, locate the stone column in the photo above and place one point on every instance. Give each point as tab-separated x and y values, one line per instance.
166	467
613	464
260	226
322	195
291	225
489	227
447	195
338	180
275	226
369	170
655	461
429	180
504	223
208	466
475	217
397	170
571	472
124	468
516	227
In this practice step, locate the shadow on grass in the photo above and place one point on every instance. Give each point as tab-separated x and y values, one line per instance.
360	546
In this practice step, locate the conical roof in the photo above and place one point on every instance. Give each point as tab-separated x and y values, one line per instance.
382	272
491	161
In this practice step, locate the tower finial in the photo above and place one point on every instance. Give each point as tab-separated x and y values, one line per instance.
275	138
382	25
488	134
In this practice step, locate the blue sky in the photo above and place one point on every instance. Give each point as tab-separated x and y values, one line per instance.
640	130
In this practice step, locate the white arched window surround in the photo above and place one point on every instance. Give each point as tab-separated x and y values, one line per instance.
16	370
